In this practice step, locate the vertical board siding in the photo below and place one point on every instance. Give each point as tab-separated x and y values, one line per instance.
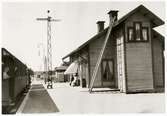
84	68
139	59
5	91
158	63
21	82
94	50
109	53
83	65
120	61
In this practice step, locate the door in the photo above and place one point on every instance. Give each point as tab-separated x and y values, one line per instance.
108	79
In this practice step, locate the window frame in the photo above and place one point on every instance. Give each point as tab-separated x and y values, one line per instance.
102	70
134	32
147	34
134	27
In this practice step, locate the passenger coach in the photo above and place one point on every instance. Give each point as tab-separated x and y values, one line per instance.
15	80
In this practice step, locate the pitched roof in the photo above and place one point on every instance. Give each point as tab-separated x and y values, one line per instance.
87	42
4	50
61	68
156	21
160	37
158	34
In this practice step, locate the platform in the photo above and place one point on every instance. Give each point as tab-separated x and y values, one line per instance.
38	101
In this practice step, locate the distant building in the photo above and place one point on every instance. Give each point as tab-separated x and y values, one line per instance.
38	74
59	74
133	60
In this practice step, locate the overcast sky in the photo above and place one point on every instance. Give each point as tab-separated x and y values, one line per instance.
22	33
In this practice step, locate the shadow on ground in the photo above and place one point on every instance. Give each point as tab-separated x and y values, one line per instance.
39	101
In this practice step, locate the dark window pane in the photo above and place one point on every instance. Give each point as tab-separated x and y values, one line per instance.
137	30
130	34
107	70
145	34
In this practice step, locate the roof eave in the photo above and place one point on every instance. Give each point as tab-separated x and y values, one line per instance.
159	22
86	43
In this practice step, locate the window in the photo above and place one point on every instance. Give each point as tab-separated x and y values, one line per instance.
107	70
137	33
137	30
145	33
130	34
5	73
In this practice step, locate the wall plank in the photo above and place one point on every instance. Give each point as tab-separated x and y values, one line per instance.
158	63
109	53
139	59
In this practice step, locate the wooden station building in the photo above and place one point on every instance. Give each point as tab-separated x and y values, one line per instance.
133	59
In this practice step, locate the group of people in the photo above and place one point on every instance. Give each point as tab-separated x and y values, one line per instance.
74	80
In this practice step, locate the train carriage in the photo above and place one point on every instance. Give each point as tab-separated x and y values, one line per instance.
15	80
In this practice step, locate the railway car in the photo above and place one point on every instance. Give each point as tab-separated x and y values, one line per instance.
15	80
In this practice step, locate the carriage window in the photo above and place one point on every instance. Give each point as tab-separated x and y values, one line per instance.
137	31
145	33
5	73
130	34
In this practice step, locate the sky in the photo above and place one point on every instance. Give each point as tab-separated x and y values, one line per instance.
26	38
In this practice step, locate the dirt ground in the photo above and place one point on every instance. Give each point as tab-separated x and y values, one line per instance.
78	100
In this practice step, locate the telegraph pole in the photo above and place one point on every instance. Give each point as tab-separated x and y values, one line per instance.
49	19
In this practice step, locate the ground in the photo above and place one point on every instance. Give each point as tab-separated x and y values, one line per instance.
78	100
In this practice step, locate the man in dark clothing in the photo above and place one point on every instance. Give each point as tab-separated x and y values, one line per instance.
71	80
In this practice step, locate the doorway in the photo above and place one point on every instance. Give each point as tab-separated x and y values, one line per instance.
107	73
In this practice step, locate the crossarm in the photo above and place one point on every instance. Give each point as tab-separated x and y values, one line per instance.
42	19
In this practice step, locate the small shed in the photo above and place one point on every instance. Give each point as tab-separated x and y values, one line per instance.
59	72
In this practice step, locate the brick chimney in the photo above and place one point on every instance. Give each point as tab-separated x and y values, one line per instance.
100	25
112	14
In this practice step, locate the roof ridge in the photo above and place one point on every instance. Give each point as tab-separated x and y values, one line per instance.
119	21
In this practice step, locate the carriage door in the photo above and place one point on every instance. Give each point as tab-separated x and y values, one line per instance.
108	73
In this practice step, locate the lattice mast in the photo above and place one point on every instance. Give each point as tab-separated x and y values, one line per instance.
49	46
49	19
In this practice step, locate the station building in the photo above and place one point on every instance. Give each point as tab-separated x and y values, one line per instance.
133	59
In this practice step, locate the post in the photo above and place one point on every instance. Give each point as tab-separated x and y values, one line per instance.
101	54
49	48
